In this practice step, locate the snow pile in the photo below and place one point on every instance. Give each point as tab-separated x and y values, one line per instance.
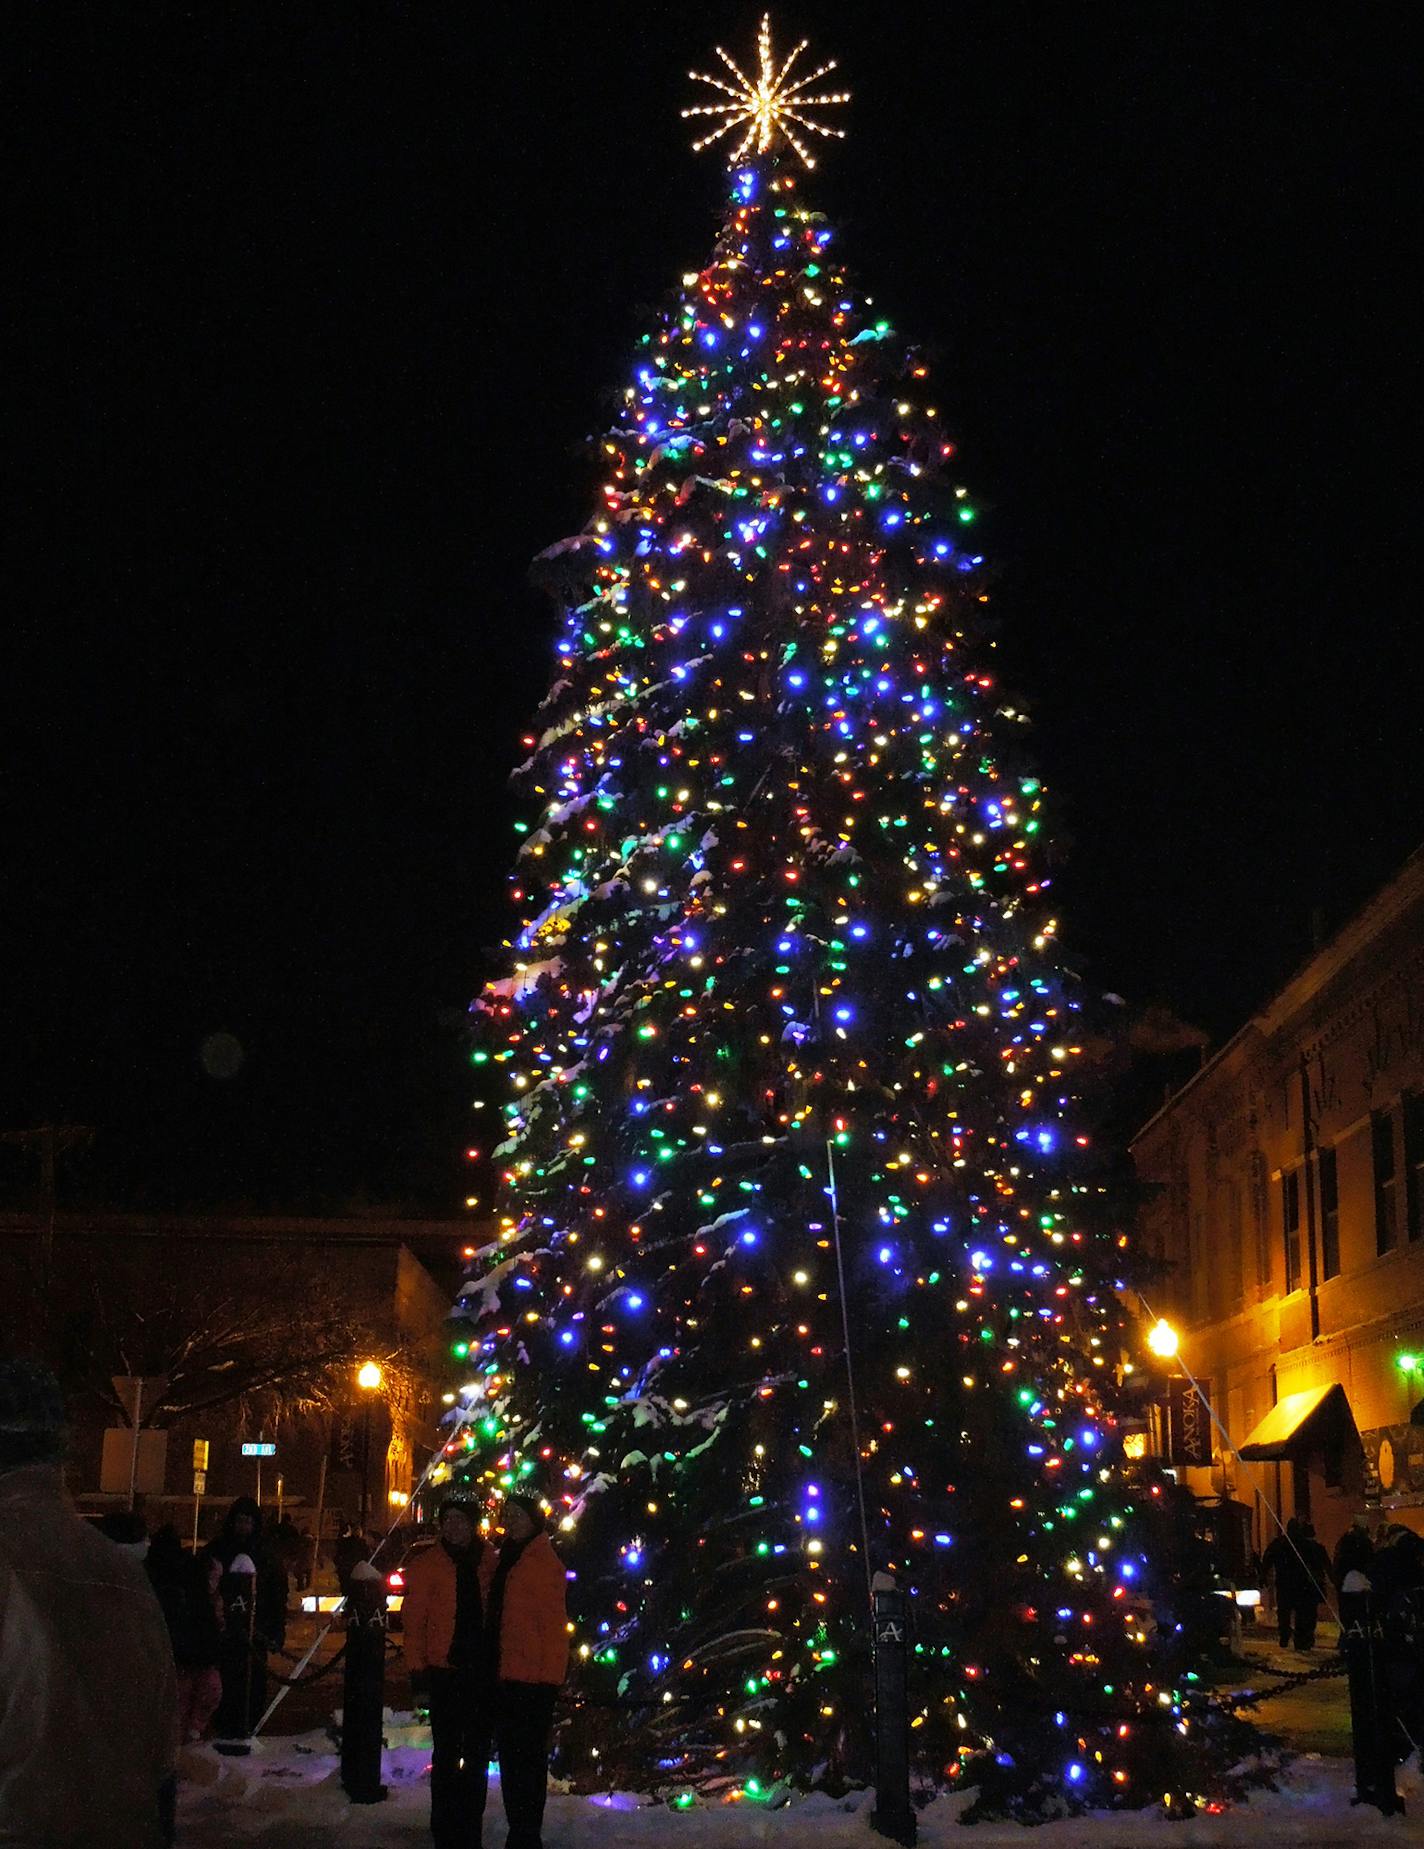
287	1795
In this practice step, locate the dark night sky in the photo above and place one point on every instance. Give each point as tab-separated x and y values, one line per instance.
310	309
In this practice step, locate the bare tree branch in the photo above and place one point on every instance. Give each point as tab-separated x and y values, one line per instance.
271	1334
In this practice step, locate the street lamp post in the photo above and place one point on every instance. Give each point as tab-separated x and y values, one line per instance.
369	1379
1164	1343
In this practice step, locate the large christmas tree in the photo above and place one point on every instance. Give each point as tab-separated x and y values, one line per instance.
805	1268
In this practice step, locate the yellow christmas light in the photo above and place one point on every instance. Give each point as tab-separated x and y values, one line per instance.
770	105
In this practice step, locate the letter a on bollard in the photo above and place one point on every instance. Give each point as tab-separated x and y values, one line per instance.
1373	1722
894	1815
239	1597
363	1699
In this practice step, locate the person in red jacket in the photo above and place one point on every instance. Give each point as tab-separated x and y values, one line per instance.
529	1646
448	1655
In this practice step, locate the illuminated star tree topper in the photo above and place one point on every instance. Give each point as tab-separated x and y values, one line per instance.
770	106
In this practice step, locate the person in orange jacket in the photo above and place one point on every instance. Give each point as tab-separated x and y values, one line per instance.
443	1619
528	1630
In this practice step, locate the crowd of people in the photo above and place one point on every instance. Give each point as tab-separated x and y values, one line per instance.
118	1647
225	1606
1387	1568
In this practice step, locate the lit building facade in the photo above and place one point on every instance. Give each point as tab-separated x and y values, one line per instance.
1287	1201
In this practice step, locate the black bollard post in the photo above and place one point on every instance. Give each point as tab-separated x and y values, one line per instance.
363	1699
239	1597
894	1815
1372	1717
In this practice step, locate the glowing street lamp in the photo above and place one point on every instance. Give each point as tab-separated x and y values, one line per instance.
1163	1339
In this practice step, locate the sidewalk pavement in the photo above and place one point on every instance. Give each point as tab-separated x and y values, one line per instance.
1314	1718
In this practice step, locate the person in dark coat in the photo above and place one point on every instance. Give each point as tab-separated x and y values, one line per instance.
187	1589
302	1574
254	1617
1354	1553
1397	1605
1397	1568
287	1545
350	1550
1301	1569
1317	1563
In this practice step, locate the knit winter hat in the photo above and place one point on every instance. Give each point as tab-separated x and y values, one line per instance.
31	1404
530	1506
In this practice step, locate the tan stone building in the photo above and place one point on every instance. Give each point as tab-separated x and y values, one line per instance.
1289	1204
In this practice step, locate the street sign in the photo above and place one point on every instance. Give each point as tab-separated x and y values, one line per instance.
136	1391
200	1454
133	1463
264	1449
200	1482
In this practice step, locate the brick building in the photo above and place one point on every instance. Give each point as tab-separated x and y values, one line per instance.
396	1275
1289	1204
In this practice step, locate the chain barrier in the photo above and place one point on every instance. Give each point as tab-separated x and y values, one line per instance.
1284	1680
260	1656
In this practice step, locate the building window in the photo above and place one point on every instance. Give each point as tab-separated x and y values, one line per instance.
1261	1222
1414	1163
1329	1215
1290	1226
1199	1262
1386	1181
1236	1270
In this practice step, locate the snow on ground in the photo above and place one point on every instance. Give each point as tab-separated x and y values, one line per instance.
287	1795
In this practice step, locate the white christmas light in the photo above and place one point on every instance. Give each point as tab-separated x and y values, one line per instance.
768	105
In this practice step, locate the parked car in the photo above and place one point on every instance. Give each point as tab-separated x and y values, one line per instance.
402	1547
401	1553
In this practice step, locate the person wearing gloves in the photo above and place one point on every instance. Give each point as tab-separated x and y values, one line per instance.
529	1651
443	1634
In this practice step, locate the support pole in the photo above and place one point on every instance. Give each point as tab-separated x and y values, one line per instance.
1373	1724
133	1449
366	1469
894	1815
363	1698
239	1596
316	1525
